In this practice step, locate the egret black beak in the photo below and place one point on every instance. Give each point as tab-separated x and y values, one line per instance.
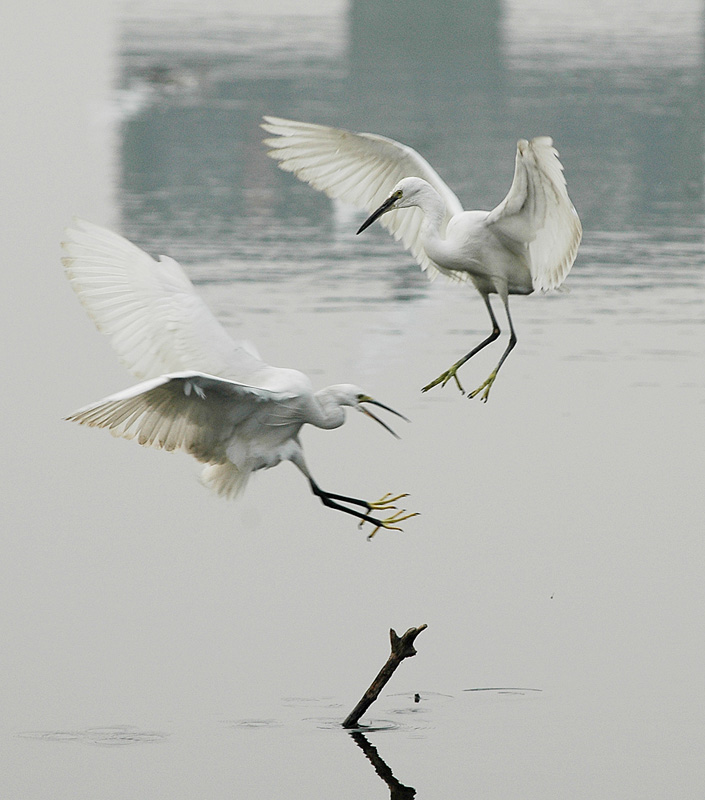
367	412
375	215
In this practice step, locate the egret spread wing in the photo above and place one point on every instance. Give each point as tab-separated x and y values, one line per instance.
188	411
149	309
538	212
361	169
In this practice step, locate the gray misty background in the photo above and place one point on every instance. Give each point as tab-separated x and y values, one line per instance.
558	560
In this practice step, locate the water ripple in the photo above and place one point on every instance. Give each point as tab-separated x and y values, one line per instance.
110	736
254	724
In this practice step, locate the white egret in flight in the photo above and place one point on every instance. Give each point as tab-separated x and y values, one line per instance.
201	392
528	242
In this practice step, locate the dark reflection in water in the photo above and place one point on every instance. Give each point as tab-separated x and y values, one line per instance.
460	84
426	71
397	790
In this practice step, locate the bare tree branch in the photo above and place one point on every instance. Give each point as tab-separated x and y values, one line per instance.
402	647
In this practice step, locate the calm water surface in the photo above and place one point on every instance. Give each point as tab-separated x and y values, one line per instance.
161	643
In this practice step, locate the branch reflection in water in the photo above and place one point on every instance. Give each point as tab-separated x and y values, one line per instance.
397	790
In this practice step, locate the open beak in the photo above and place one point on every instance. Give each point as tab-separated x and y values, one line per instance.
375	215
368	413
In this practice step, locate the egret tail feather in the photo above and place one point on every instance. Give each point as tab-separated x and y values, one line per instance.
225	479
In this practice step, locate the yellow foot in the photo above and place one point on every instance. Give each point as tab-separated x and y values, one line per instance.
386	502
391	523
487	385
444	378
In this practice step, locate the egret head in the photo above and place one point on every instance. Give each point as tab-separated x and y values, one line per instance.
347	394
404	195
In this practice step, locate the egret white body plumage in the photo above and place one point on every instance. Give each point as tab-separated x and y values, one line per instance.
201	392
528	242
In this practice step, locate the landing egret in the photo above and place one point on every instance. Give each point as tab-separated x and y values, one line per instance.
201	392
528	242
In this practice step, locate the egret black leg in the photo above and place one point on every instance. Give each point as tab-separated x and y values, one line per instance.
451	372
487	385
330	501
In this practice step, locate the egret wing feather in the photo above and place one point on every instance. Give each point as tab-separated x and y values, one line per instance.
537	213
149	309
189	411
361	169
